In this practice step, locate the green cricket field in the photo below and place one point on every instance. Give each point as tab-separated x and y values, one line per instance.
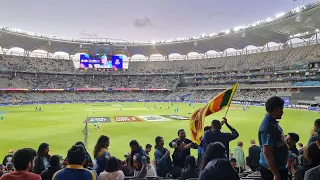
61	125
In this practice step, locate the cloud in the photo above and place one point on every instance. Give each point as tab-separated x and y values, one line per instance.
87	34
141	23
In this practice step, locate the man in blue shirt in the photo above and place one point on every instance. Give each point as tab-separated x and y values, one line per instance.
274	152
76	158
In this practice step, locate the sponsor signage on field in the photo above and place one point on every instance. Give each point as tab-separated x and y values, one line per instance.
99	119
153	118
126	119
176	117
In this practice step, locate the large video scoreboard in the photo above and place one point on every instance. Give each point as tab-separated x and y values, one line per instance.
103	61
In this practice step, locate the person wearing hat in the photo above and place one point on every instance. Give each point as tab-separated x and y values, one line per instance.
8	158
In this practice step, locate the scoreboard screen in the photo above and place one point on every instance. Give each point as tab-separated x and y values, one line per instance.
101	61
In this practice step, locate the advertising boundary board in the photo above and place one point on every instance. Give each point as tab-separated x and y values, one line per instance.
99	119
100	101
126	119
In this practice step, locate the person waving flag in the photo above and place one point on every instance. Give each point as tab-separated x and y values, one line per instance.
218	103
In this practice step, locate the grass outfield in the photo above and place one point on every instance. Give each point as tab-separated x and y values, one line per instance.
23	127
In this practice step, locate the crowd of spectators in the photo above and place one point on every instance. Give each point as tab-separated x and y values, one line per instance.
276	157
268	59
195	95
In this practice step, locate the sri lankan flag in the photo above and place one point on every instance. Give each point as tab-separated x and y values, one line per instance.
218	103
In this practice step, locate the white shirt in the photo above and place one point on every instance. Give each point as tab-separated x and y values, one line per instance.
117	175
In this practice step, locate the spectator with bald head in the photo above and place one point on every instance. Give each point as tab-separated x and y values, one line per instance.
253	156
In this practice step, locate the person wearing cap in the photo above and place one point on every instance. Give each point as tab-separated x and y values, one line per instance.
75	159
8	158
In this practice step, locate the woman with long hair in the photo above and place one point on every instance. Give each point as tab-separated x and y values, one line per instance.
42	159
162	158
112	171
138	159
178	159
101	154
215	164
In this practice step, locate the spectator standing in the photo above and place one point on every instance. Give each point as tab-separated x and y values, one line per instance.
274	154
42	160
162	158
215	134
254	155
138	160
148	149
76	158
112	171
54	166
8	158
316	128
238	154
101	154
215	164
191	171
182	137
23	162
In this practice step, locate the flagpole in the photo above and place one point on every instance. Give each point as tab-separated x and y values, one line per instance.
230	101
227	111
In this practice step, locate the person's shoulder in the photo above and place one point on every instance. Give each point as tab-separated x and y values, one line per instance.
58	173
92	173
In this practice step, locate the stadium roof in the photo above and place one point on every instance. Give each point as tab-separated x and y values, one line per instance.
302	22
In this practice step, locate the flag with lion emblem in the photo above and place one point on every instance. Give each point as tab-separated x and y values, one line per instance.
221	101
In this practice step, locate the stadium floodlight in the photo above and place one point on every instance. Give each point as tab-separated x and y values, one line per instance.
279	15
269	19
238	28
317	30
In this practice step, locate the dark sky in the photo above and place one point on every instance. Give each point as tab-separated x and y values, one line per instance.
136	19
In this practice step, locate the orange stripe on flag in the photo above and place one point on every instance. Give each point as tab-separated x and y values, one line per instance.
217	102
